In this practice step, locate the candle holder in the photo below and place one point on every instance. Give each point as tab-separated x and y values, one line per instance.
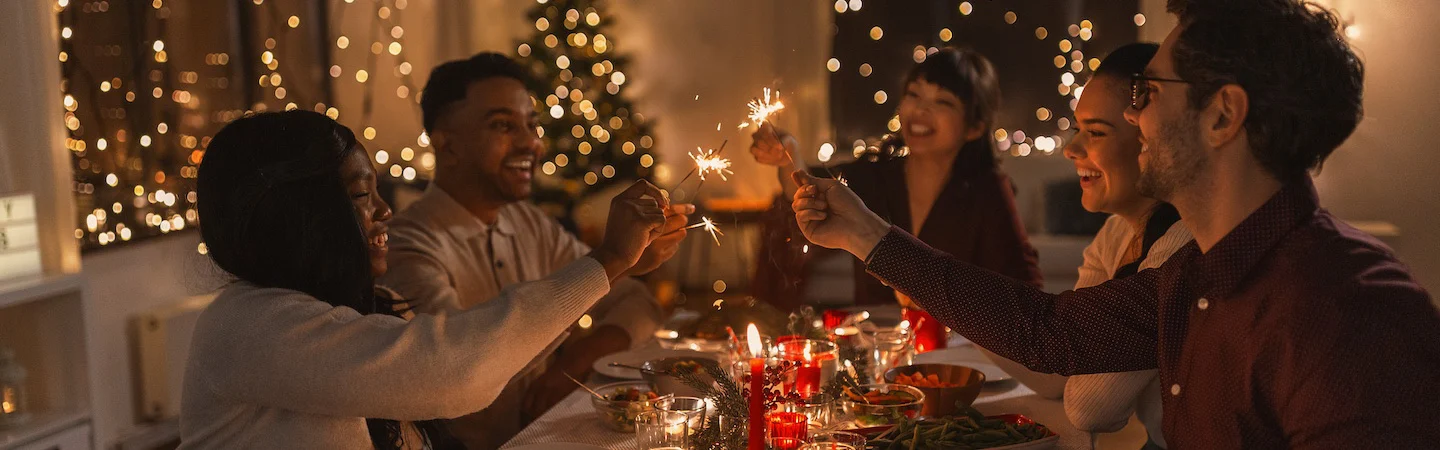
13	412
816	364
784	443
662	429
835	440
786	430
893	348
819	409
929	334
693	408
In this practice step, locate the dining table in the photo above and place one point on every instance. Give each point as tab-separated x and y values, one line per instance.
574	421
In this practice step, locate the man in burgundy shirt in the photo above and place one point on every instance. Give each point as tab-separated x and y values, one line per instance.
1280	326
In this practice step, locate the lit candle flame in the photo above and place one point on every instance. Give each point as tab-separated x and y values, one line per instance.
709	226
753	335
762	108
710	161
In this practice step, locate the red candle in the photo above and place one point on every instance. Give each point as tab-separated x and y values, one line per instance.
834	317
788	425
757	390
930	334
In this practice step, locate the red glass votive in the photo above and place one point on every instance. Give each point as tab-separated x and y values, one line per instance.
813	359
788	425
930	334
834	317
784	443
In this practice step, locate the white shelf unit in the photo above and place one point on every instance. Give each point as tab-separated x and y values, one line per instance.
42	425
42	319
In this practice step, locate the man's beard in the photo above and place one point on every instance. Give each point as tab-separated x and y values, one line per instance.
1176	159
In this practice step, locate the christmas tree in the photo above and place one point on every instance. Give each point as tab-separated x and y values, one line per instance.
594	135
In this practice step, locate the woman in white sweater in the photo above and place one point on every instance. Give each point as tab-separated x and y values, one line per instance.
299	350
1141	234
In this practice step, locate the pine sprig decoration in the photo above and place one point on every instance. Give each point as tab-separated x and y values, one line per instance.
837	386
713	383
859	358
729	400
802	323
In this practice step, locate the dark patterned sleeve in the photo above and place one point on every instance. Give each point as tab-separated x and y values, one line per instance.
1111	327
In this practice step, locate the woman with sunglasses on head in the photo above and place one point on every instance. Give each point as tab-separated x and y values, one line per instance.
949	191
300	348
1141	233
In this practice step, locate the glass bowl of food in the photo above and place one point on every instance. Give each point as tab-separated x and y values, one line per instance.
665	373
882	404
622	402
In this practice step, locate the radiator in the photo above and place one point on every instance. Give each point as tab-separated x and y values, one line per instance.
161	345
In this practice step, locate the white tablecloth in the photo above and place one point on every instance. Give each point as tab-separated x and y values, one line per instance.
574	419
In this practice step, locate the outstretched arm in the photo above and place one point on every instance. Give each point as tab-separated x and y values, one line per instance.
1106	328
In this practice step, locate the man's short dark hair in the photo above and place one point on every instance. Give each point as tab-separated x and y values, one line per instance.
449	81
1126	61
1304	83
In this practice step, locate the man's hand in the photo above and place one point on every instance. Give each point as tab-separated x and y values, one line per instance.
636	218
831	215
671	235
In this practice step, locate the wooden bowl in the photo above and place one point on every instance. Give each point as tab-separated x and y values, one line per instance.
947	400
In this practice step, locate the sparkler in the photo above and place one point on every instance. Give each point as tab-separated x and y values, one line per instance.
760	111
762	108
709	226
710	161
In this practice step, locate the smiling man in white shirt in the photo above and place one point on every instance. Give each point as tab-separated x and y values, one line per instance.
473	232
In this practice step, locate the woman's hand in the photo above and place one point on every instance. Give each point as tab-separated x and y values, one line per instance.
772	146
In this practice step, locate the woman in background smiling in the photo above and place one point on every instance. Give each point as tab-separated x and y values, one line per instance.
950	191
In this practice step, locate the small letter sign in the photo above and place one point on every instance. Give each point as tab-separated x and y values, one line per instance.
19	239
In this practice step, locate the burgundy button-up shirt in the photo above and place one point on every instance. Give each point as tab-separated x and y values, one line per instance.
1295	330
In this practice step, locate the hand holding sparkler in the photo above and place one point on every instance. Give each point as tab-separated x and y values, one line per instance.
635	220
831	215
772	147
762	110
663	248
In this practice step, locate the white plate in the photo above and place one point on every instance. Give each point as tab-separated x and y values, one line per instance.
636	358
558	446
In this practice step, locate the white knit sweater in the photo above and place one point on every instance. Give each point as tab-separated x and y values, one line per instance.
1102	403
278	369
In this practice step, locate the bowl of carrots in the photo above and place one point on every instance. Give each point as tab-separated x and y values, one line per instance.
948	388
